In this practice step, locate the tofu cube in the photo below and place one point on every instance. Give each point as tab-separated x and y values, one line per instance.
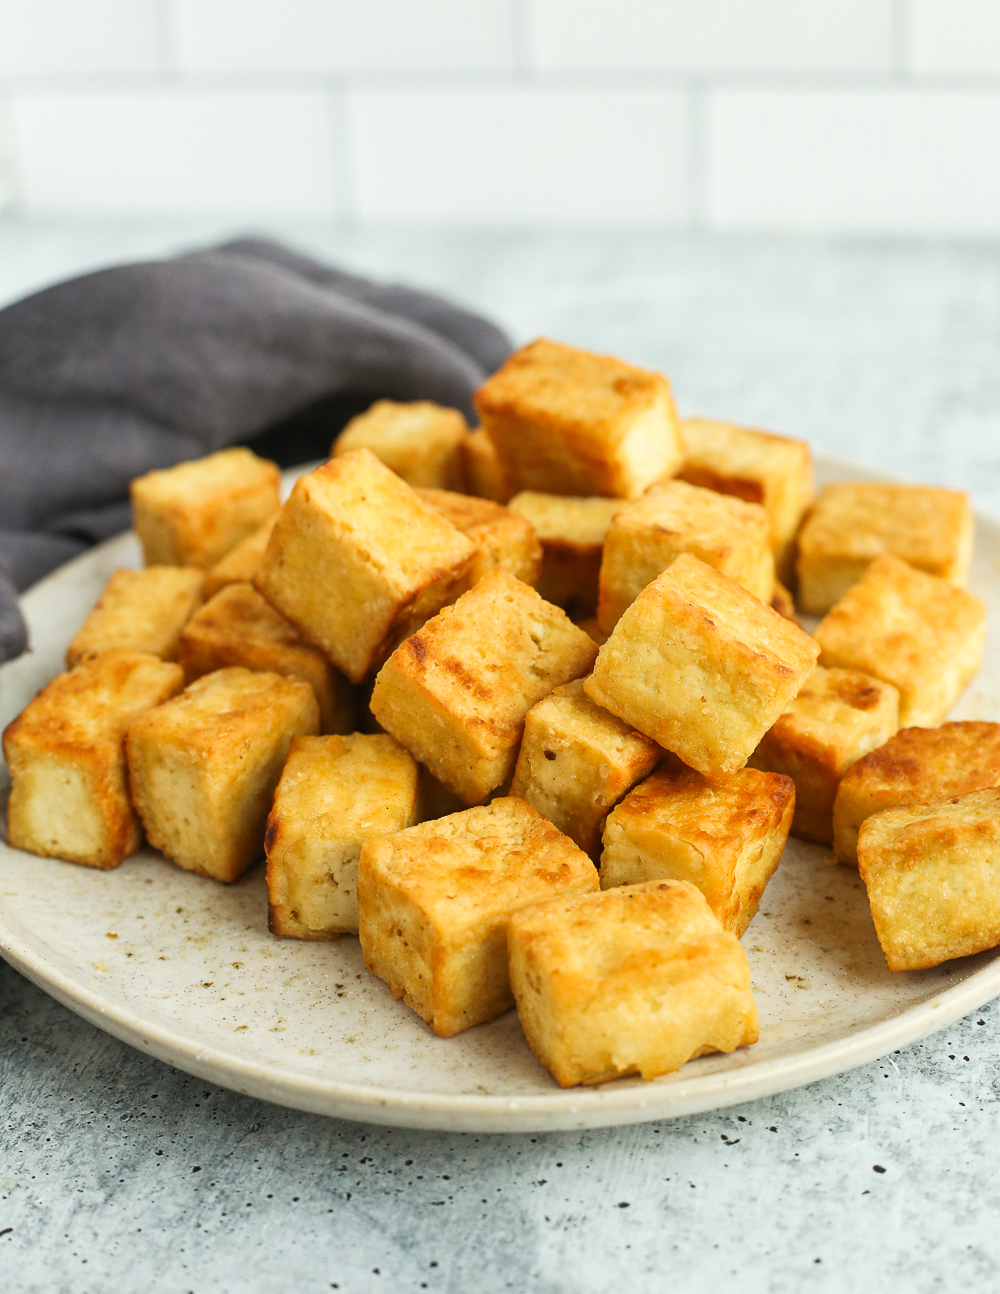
240	564
566	421
204	766
783	602
577	761
140	611
916	766
635	980
434	903
421	442
701	666
502	537
195	513
572	532
335	793
482	470
237	627
456	693
854	522
646	536
836	719
913	630
725	836
66	756
357	562
932	872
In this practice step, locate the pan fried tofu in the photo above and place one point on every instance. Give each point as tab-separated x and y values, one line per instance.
434	903
240	563
783	602
195	513
916	766
932	872
577	761
854	522
913	630
634	980
335	793
357	562
502	537
725	836
203	767
237	627
701	666
572	532
66	755
482	470
566	421
646	536
456	693
836	719
140	611
421	441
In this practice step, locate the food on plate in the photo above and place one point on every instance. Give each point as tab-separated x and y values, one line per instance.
140	611
482	470
502	537
434	902
572	533
241	562
421	441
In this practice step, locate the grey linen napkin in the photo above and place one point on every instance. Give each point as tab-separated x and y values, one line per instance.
141	366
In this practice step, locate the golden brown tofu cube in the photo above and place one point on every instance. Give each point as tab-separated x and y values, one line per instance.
916	766
577	761
913	630
237	627
783	602
240	564
66	756
933	877
434	903
140	611
357	562
837	717
502	537
335	793
195	513
674	518
421	442
572	532
457	692
854	522
725	836
567	421
774	471
203	767
482	470
634	980
701	666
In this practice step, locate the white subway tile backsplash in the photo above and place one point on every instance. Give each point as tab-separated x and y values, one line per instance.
77	37
955	36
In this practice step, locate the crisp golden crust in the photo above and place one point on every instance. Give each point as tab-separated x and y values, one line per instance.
482	470
572	533
701	666
502	537
457	692
635	980
910	629
140	611
421	441
933	878
725	836
240	563
434	903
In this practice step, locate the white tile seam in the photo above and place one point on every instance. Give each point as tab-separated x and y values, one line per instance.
902	39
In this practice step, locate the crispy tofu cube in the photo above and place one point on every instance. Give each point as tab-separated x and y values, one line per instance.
572	532
594	630
434	903
421	442
482	470
783	602
634	980
140	611
204	766
701	666
335	793
854	522
916	766
567	421
502	537
456	693
358	562
836	719
240	564
774	471
66	756
577	761
913	630
932	872
195	513
646	536
237	627
725	836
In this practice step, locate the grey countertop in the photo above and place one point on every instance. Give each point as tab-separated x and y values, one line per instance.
117	1172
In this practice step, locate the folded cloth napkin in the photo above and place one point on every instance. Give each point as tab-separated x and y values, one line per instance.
141	366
